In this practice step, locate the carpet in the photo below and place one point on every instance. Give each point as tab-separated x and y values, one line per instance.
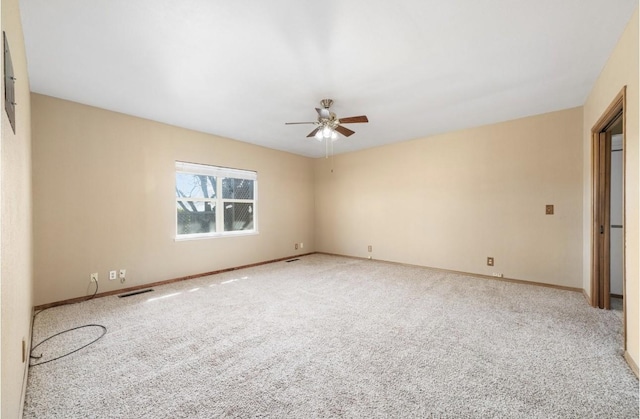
329	336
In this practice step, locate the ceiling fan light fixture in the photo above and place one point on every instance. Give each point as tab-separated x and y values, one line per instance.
327	131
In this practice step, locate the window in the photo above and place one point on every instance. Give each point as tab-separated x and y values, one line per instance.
214	201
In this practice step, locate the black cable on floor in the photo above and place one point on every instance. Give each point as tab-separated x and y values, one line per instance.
104	332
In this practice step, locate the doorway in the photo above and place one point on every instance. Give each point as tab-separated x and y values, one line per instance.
616	235
607	232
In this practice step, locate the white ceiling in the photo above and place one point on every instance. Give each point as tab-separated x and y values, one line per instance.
241	69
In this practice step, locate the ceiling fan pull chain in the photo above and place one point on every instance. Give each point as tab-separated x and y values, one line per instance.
326	148
331	148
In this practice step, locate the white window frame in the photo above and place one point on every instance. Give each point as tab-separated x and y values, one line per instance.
219	173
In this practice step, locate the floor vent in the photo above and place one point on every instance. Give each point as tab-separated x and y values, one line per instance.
129	294
292	260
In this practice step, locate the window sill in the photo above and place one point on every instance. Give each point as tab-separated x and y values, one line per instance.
215	235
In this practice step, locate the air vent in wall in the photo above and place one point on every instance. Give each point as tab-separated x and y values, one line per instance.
129	294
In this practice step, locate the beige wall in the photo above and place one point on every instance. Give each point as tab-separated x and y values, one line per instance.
104	199
620	70
15	224
452	200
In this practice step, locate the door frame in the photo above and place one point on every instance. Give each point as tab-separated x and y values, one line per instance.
600	201
601	220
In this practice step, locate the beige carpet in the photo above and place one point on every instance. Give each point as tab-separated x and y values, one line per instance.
334	337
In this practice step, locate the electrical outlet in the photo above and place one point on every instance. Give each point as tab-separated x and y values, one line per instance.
123	273
301	245
489	261
295	245
112	275
94	277
549	210
499	275
370	248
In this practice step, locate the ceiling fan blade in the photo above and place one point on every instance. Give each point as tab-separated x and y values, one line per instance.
353	119
324	112
299	123
344	131
314	132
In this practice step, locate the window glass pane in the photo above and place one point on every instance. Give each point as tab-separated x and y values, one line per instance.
200	205
196	217
189	185
238	216
237	188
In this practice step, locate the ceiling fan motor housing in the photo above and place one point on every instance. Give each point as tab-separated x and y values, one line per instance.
326	103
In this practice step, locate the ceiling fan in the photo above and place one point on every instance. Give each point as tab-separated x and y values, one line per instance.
328	124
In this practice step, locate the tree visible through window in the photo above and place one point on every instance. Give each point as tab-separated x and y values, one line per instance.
214	201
